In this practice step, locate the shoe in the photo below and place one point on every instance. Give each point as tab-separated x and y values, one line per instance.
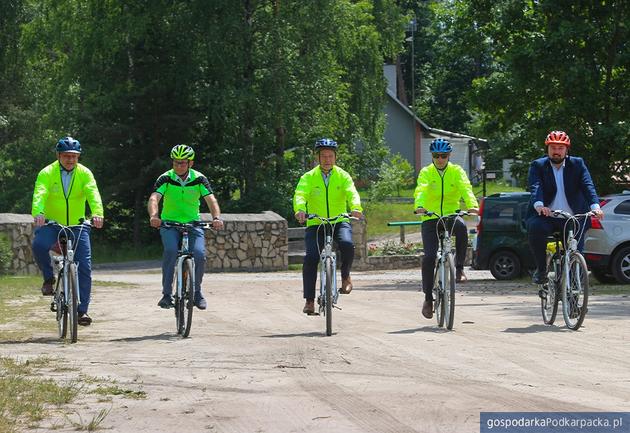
84	319
47	287
427	309
166	302
460	276
200	301
309	307
539	277
346	285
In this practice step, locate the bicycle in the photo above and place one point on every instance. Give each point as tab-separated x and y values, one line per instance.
184	282
328	291
444	276
567	276
66	299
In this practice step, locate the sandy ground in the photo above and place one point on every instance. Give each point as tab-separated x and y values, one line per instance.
255	363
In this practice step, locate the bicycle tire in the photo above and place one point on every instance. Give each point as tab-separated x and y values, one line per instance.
328	295
575	304
188	297
438	294
449	293
549	304
73	314
61	308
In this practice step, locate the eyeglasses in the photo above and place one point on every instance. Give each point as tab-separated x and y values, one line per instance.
180	162
440	155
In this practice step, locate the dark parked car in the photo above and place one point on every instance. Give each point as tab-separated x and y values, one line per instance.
500	243
607	245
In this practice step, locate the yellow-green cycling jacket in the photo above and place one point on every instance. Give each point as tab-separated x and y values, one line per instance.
50	200
313	196
441	193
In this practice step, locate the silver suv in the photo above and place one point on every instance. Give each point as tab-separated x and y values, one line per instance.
607	245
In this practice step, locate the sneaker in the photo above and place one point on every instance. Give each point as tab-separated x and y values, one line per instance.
539	277
309	307
84	319
346	285
200	301
460	276
47	287
427	309
166	302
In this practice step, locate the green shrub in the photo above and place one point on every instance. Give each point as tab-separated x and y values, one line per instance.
6	254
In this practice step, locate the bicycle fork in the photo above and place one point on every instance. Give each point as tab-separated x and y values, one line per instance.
180	275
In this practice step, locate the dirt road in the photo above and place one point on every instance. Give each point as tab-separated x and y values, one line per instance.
255	363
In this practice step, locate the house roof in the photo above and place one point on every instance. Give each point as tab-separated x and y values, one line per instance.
433	131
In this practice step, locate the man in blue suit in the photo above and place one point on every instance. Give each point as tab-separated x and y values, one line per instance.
557	181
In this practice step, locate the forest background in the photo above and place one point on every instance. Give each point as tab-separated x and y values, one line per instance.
251	84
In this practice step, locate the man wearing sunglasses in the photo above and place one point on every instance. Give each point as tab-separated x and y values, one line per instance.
440	187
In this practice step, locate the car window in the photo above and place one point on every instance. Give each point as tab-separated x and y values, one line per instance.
623	208
500	214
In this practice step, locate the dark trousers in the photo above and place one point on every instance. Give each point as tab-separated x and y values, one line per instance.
314	242
540	227
46	237
430	243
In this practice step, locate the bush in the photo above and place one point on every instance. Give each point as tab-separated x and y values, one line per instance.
6	254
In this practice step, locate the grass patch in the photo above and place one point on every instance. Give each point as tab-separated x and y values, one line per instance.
610	289
116	390
102	253
22	307
25	397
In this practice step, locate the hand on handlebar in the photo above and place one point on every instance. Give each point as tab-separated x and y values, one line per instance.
155	222
300	216
40	220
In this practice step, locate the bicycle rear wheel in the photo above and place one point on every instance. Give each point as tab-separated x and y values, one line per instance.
61	309
449	292
73	294
328	294
549	299
575	295
186	303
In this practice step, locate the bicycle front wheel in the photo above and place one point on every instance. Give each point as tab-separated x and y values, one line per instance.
575	293
549	296
61	308
438	293
449	292
328	294
188	297
73	296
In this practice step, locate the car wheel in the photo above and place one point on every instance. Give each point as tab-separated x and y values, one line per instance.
621	265
505	265
603	276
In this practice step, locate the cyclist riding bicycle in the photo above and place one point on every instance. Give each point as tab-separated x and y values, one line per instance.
327	190
61	191
182	187
557	182
440	187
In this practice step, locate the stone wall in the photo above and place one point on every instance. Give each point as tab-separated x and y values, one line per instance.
18	229
248	242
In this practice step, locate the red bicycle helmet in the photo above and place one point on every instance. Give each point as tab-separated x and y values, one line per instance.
558	137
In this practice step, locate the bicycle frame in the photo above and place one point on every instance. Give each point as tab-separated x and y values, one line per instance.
328	252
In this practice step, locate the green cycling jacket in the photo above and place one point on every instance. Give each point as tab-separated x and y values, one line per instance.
313	196
50	200
442	193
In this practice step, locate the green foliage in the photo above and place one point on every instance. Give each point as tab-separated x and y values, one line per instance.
6	255
394	175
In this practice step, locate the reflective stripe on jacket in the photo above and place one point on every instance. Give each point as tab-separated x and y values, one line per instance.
50	200
313	196
442	193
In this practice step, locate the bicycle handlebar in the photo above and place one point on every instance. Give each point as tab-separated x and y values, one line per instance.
567	215
201	224
311	216
82	223
452	215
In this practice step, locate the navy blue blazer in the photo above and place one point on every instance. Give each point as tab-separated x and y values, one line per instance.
578	185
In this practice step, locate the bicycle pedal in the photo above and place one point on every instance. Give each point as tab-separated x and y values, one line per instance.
53	307
338	308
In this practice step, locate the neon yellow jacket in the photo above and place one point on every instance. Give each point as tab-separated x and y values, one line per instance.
442	193
313	196
50	200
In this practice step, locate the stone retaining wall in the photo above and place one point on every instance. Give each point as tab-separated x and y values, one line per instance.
18	229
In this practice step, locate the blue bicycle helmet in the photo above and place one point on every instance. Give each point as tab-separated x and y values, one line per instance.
440	145
69	145
325	143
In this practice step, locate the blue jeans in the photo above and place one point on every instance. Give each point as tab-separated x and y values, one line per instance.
45	237
196	244
314	244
